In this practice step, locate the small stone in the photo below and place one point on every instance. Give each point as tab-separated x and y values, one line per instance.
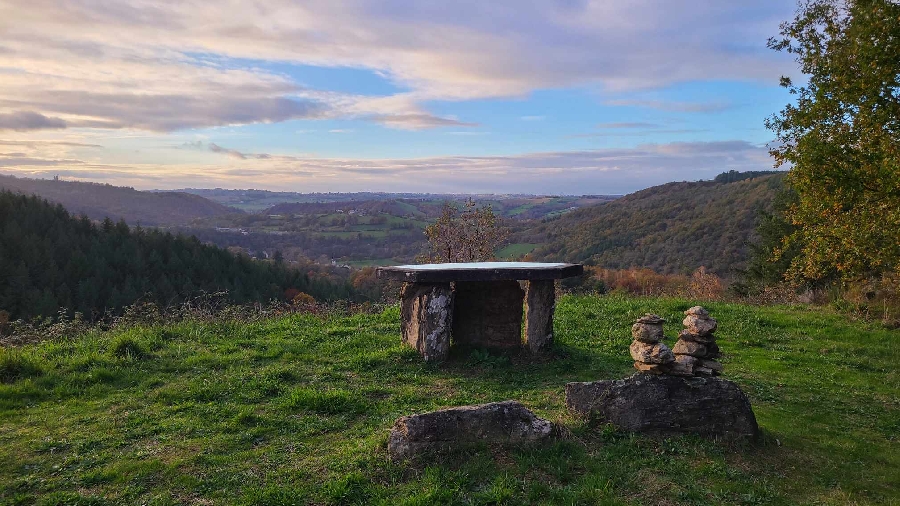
657	353
651	368
716	366
646	333
683	365
712	351
699	325
697	311
691	348
687	335
703	371
651	319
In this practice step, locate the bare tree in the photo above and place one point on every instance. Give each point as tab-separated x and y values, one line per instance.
468	235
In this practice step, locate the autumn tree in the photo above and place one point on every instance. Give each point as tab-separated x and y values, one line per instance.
841	138
470	234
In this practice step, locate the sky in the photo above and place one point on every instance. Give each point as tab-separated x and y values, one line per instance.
503	96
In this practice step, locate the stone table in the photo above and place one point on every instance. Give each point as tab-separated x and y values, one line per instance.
478	304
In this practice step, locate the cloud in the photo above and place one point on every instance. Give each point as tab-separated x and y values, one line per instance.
612	170
35	143
627	125
233	153
27	120
417	121
671	105
139	64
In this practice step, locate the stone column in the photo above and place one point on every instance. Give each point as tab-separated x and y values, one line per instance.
488	314
426	313
540	301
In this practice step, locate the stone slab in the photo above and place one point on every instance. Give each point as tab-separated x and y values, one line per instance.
479	271
507	422
667	405
488	314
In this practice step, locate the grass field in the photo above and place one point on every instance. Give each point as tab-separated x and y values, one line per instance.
295	410
516	250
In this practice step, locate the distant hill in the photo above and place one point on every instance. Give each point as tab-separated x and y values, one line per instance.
517	206
98	201
50	260
430	206
672	228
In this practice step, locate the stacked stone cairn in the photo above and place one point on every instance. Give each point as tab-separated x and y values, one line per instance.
650	355
696	350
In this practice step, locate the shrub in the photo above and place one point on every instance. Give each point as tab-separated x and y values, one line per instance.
126	346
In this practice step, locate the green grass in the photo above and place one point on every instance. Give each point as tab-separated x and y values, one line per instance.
516	250
374	262
295	410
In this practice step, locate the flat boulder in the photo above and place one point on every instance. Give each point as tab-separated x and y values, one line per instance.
667	405
507	422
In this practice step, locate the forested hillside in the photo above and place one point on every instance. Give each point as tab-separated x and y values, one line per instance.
51	260
99	201
672	228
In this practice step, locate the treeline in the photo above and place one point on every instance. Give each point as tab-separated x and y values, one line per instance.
99	201
52	261
672	229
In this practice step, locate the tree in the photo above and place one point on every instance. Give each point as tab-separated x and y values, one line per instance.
469	235
841	139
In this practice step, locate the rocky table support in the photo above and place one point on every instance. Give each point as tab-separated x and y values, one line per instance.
426	311
540	302
483	309
488	314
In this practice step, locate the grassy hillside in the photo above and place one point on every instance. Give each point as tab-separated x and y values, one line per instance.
295	410
99	201
672	228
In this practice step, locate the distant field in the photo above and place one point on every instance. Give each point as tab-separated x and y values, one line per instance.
516	250
377	262
296	410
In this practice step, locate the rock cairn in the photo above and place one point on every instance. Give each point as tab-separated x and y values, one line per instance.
696	350
649	353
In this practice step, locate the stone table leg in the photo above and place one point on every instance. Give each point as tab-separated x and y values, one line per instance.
488	314
540	301
426	313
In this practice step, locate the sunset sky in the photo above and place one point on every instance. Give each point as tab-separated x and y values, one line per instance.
502	96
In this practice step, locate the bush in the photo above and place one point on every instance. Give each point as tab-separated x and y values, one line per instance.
126	346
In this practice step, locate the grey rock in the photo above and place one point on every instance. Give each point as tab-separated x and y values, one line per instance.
427	317
683	365
507	422
691	348
697	338
652	368
715	365
646	333
699	325
657	353
667	405
540	302
712	350
651	319
697	311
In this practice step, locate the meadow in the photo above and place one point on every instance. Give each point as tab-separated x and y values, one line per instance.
296	410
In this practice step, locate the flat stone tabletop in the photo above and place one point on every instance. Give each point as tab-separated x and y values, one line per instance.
479	271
